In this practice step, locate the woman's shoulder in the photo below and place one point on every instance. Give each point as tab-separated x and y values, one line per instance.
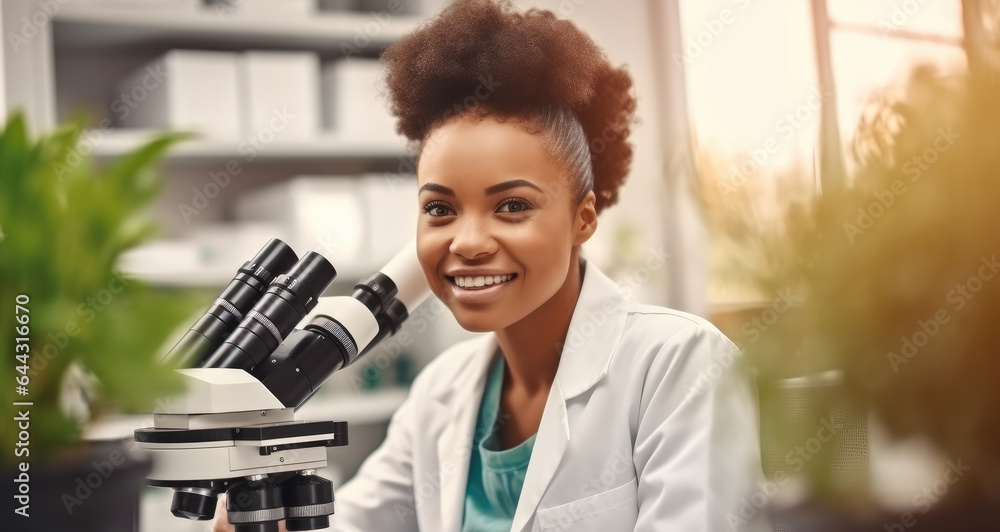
655	335
663	345
663	324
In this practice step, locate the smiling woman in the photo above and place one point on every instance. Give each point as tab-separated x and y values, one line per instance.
578	410
488	214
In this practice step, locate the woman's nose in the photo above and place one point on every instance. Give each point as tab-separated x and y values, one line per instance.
472	239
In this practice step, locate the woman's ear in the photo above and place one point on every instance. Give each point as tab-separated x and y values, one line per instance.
585	219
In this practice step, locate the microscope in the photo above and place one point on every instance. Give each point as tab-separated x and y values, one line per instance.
260	351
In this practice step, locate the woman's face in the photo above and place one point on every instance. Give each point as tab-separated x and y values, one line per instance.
498	221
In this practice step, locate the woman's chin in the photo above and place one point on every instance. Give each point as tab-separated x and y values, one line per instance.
477	324
479	321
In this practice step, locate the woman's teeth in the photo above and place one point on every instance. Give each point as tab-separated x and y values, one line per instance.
480	281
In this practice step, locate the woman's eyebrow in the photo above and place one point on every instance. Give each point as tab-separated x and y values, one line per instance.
434	187
514	183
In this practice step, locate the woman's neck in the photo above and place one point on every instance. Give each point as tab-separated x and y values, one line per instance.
533	345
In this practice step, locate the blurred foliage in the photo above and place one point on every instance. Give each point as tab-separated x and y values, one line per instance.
901	276
63	227
751	217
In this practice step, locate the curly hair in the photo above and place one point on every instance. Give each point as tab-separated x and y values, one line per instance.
483	58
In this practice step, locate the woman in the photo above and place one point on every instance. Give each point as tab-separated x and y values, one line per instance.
580	411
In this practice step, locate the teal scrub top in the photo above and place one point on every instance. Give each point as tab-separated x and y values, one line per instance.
495	477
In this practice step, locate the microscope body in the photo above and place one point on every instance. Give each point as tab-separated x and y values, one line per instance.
235	430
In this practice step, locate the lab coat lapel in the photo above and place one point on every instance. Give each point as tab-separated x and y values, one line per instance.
596	326
459	409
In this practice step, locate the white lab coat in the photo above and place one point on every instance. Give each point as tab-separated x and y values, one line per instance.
650	425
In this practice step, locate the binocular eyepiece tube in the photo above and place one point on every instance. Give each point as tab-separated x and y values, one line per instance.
232	305
289	298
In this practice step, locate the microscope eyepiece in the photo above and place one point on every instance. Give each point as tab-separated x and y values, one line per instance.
288	299
232	305
307	279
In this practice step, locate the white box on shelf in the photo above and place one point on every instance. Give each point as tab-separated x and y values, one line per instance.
417	8
280	8
226	246
188	6
185	90
391	201
336	6
357	222
208	256
352	104
280	93
320	213
394	7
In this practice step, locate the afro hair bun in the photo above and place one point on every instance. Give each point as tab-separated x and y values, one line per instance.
483	52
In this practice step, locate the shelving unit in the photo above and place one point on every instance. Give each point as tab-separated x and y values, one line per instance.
102	44
323	148
73	61
326	32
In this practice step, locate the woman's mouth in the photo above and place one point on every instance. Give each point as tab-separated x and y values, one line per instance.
479	289
473	282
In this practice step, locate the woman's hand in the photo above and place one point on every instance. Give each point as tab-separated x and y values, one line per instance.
221	521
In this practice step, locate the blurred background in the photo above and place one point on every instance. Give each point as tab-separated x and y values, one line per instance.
747	108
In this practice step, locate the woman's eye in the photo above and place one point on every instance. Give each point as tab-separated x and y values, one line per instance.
513	205
437	209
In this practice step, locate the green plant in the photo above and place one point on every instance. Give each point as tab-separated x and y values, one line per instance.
901	281
63	225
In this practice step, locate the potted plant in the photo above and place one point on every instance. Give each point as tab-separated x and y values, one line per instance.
900	284
80	337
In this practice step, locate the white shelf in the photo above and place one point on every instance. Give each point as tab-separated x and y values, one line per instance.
97	26
117	143
207	279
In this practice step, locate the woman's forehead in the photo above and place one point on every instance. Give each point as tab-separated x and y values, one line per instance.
485	147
